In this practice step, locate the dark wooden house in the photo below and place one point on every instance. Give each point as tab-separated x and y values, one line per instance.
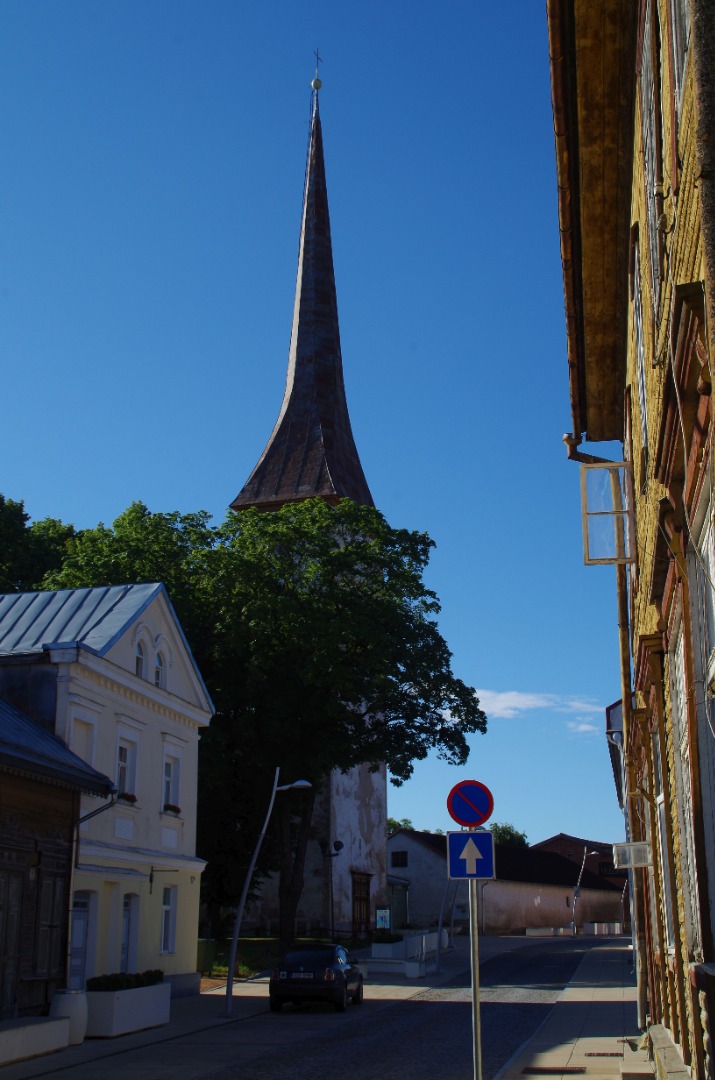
41	781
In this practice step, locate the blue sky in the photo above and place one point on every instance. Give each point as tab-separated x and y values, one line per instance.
151	199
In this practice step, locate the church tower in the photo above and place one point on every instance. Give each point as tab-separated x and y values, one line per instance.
312	454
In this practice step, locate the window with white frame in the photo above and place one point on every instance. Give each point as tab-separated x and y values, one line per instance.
681	743
680	37
666	891
650	131
702	608
126	766
139	660
168	918
171	782
159	670
607	513
82	739
640	345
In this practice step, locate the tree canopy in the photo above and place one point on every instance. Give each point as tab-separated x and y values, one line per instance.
317	639
28	551
507	834
393	824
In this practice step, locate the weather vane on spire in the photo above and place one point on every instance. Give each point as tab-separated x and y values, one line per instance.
317	81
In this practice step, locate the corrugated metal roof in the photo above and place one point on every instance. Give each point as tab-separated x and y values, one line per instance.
94	618
26	746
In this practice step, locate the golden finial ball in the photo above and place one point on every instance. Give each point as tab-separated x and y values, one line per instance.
317	83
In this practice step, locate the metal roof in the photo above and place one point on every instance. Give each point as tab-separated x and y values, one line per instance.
311	452
29	748
94	618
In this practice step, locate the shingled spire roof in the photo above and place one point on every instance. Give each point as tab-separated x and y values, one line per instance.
311	452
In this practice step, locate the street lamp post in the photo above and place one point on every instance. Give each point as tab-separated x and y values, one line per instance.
577	890
301	785
338	847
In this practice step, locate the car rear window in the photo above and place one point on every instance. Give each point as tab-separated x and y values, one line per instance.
309	956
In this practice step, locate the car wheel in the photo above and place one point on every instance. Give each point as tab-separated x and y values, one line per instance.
276	1004
357	996
342	1004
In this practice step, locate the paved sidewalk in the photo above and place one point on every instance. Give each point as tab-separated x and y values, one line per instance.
592	1029
595	1015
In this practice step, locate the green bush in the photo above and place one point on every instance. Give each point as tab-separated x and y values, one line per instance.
123	980
386	937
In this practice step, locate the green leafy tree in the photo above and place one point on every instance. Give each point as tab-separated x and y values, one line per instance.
393	824
507	834
318	640
28	551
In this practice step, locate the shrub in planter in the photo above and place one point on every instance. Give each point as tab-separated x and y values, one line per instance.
386	937
123	980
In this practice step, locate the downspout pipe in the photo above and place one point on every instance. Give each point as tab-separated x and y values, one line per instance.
74	862
703	49
572	443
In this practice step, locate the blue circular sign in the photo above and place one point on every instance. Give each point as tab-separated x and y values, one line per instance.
470	803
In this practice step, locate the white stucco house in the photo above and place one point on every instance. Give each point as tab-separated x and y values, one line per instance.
109	671
345	879
532	889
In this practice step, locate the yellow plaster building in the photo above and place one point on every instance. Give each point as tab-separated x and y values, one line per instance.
634	110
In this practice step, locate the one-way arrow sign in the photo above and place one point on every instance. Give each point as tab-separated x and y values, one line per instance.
470	854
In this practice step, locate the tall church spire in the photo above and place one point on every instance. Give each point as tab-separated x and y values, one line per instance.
311	452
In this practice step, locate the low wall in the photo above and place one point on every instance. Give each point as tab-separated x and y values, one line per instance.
414	947
31	1037
508	907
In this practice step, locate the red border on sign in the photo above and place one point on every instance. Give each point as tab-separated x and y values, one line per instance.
480	814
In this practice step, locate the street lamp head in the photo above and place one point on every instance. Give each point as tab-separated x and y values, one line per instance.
300	785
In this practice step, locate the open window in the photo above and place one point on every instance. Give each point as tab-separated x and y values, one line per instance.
607	513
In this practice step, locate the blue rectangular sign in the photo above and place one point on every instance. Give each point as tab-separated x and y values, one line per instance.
470	854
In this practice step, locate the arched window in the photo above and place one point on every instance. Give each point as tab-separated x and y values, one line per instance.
159	670
139	660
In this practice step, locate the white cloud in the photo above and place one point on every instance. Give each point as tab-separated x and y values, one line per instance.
511	703
507	704
582	727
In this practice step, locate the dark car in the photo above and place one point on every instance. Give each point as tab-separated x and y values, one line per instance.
316	973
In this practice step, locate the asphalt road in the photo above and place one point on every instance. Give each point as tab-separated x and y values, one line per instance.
428	1037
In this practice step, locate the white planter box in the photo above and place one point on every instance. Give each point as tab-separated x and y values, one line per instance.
388	950
116	1012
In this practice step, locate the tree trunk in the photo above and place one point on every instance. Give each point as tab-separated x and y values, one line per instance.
293	848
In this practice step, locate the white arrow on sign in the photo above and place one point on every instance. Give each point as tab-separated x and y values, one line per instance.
470	854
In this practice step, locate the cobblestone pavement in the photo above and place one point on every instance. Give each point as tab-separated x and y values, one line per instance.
416	1042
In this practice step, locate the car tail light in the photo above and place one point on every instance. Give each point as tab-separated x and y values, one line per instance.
329	975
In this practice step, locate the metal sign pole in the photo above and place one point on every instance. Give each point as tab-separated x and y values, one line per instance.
470	804
474	942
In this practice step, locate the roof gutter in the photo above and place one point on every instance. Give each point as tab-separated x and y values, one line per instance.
703	46
573	454
562	53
